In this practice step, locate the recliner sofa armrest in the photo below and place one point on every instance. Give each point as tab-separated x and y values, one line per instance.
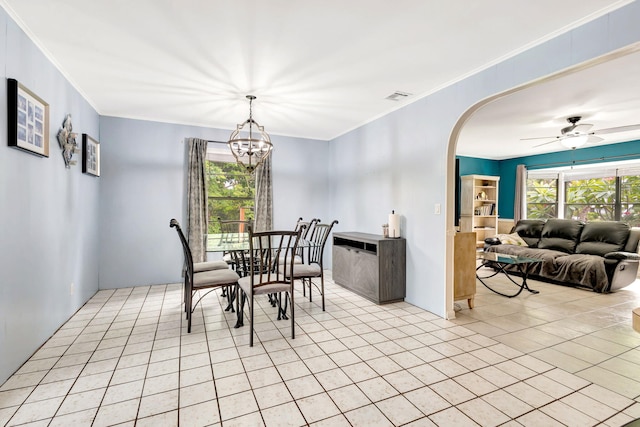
619	255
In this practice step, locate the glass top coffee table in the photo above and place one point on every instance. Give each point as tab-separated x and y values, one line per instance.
500	262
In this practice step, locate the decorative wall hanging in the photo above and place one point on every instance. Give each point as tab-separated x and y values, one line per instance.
28	120
90	155
67	141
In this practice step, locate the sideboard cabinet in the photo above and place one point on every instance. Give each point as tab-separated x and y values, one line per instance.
370	265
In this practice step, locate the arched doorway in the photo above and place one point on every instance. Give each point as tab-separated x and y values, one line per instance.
538	85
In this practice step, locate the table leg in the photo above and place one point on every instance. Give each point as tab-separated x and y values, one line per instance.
501	269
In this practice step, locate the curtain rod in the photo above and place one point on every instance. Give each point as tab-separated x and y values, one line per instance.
573	162
208	140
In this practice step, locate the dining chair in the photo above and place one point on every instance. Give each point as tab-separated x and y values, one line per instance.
232	232
308	226
269	253
196	281
199	267
313	267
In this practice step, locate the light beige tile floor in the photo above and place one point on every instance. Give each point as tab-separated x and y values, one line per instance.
562	357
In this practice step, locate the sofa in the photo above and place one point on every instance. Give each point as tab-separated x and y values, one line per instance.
602	256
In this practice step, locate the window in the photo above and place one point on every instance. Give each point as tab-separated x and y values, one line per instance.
542	197
231	191
605	192
592	199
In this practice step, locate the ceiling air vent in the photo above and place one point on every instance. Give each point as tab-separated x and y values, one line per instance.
397	96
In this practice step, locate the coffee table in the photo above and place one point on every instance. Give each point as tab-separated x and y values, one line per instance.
502	261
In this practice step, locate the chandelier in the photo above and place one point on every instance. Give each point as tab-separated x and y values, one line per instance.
249	143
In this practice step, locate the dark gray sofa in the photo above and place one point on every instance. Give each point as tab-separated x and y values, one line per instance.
602	256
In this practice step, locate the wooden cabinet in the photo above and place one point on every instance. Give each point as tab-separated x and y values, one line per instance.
464	267
370	265
479	206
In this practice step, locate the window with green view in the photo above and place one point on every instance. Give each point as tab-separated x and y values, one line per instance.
231	191
597	193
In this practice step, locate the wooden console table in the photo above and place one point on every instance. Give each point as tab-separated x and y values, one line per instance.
370	265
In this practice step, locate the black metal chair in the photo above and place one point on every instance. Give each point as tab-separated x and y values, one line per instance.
196	281
308	226
313	267
269	253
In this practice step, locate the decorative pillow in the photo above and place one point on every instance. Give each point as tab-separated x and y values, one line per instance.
511	239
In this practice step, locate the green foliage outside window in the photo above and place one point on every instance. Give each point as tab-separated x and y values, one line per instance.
542	198
591	199
587	200
231	193
630	200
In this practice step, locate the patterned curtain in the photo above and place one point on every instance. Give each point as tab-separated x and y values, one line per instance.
519	199
264	197
197	199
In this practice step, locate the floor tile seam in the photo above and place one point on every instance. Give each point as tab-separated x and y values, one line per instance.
112	375
144	380
74	382
577	356
597	365
616	411
213	377
42	346
599	422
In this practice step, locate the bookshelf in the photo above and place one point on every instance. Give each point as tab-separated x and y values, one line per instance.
479	206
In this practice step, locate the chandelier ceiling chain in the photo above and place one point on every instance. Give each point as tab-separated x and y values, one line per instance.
250	150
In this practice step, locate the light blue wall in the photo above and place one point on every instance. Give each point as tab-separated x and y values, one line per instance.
49	214
406	171
142	187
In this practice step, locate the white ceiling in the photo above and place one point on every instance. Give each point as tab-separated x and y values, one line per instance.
605	95
318	67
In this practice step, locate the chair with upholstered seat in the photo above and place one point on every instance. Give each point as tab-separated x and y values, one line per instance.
196	281
269	253
313	267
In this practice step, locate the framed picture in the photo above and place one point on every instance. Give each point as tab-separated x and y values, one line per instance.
90	155
28	120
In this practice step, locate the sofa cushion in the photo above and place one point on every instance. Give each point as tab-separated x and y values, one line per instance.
511	239
561	235
530	230
602	237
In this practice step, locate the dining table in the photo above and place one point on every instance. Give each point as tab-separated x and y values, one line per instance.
235	251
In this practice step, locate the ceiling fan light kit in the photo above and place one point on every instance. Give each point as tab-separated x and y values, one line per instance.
574	141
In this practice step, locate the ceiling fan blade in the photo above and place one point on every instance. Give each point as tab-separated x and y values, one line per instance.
583	127
594	139
548	142
616	129
539	137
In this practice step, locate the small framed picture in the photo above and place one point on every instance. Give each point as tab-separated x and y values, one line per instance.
90	155
28	120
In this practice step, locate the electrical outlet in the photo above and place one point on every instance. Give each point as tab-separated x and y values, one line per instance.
71	288
436	209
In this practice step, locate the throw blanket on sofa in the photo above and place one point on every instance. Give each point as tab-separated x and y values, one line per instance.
577	269
585	270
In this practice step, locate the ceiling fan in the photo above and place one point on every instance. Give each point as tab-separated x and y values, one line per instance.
576	135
